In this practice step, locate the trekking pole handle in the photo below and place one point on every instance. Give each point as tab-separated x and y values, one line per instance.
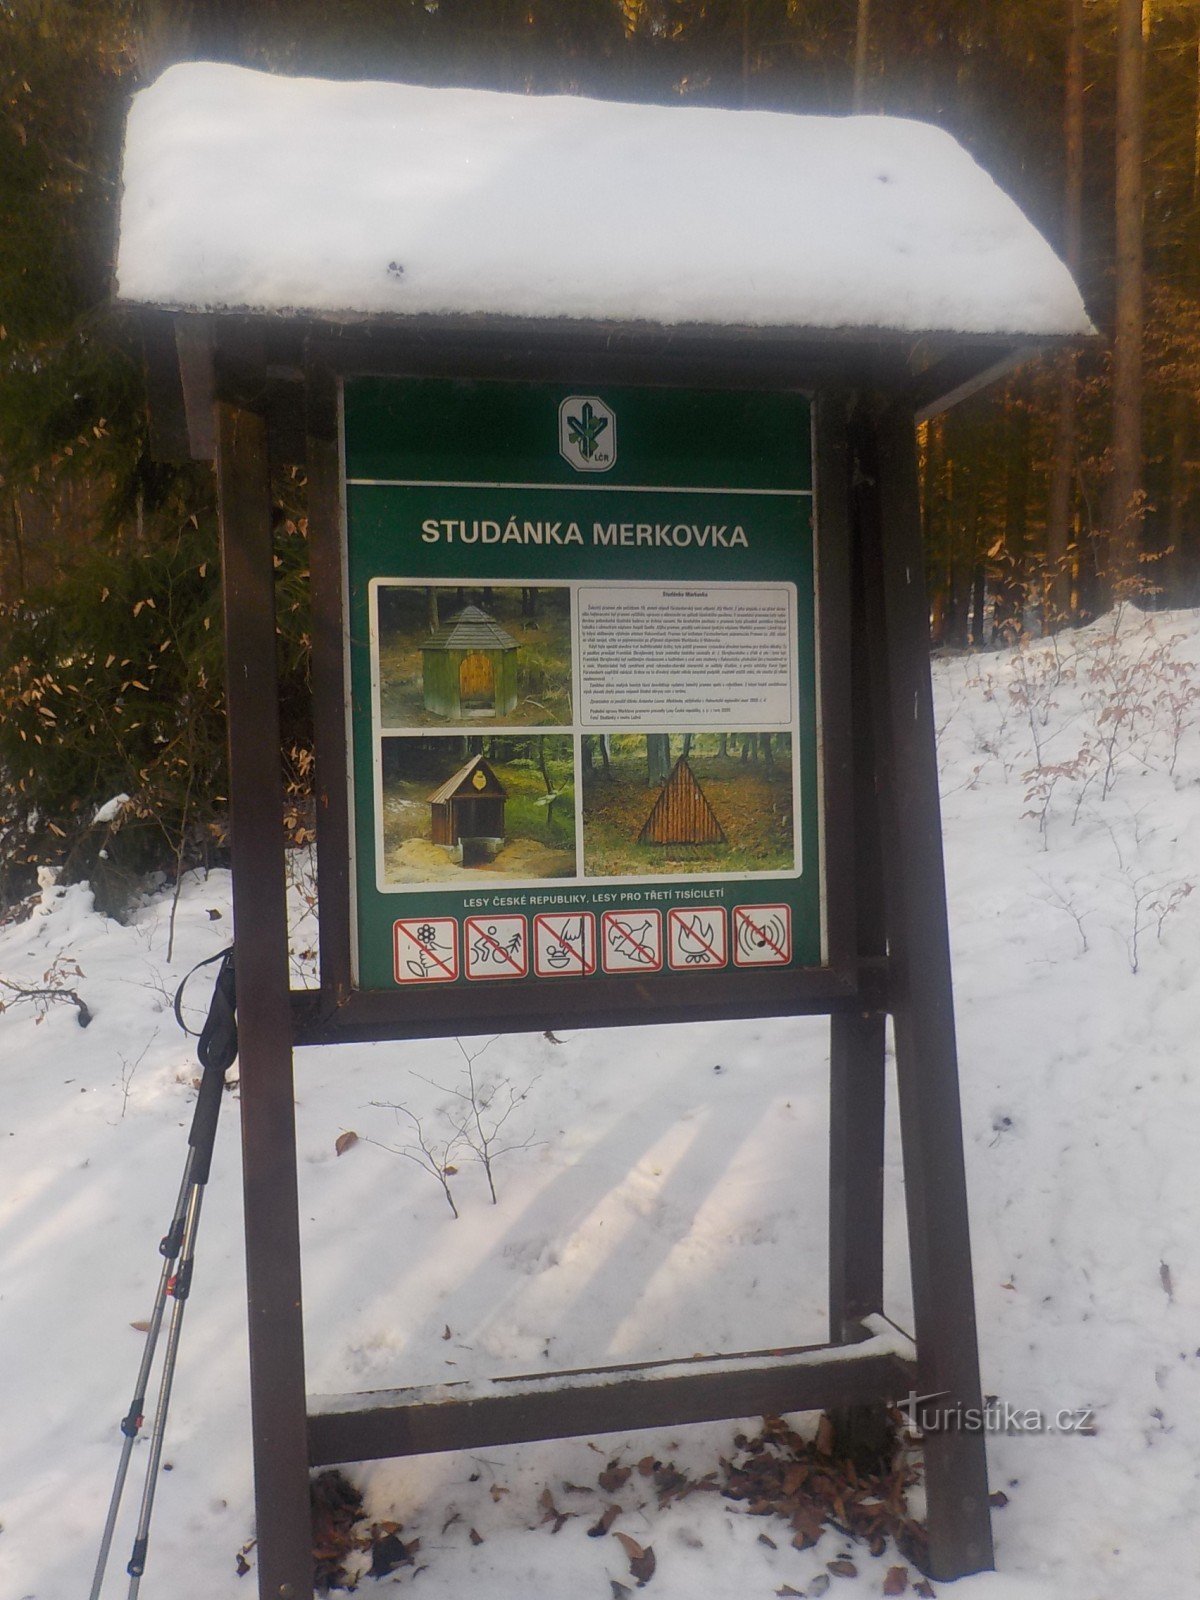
217	1050
204	1121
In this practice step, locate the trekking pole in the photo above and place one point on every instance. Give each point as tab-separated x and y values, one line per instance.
179	1290
131	1423
217	1049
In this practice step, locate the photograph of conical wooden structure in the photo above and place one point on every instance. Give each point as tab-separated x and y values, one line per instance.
682	814
469	667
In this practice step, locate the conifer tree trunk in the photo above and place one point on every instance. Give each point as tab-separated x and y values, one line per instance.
1181	574
934	521
1011	607
1125	487
658	758
862	39
1057	605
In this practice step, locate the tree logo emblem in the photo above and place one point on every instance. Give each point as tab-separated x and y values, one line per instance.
587	433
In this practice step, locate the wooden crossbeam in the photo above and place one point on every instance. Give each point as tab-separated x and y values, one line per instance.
482	1413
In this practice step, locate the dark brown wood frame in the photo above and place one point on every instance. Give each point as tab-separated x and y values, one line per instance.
886	918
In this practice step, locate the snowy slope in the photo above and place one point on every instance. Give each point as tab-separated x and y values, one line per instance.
662	1205
248	190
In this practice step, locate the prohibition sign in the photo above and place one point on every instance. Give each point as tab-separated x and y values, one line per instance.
495	947
425	950
564	944
696	938
762	936
631	941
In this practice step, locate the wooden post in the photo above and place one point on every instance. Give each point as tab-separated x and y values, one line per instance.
922	1004
331	733
277	1384
856	1057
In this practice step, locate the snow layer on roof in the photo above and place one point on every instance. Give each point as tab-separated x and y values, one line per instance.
247	190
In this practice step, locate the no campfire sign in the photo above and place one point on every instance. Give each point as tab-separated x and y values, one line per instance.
583	655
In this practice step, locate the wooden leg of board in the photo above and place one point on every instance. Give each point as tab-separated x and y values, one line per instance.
922	1004
277	1384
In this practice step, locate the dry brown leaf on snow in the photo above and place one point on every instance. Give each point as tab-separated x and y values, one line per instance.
607	1517
552	1513
896	1581
641	1558
344	1141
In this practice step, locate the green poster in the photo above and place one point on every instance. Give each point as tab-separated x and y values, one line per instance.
583	670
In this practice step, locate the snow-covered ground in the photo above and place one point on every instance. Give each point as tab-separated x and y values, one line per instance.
669	1197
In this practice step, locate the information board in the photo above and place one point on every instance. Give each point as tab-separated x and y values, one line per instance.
582	655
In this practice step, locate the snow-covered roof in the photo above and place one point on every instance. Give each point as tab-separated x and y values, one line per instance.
244	190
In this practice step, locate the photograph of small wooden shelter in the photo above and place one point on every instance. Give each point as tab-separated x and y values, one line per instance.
467	811
682	814
469	667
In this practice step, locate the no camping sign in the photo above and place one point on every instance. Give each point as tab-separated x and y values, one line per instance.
583	659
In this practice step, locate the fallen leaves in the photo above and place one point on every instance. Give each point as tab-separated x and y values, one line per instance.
614	1477
607	1517
641	1558
389	1552
777	1473
552	1513
345	1141
780	1474
337	1511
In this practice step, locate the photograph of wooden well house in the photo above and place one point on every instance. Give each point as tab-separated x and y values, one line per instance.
472	656
467	811
469	667
494	805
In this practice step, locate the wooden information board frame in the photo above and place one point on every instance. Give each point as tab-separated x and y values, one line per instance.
252	392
